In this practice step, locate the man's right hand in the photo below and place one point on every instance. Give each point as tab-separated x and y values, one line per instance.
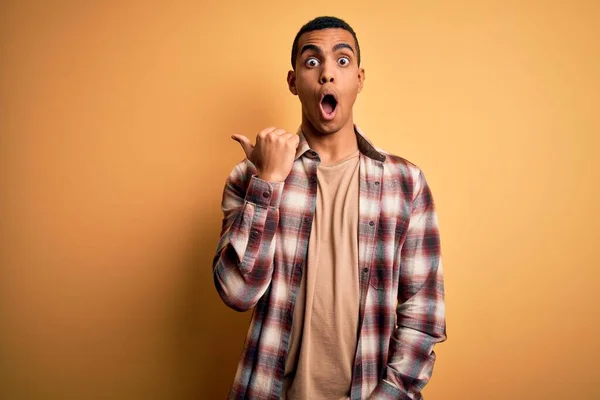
274	152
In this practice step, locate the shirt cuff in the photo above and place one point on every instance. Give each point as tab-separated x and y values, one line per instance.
264	193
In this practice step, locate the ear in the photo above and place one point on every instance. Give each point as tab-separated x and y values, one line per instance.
291	79
361	79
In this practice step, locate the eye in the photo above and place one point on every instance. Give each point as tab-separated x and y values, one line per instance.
312	62
344	61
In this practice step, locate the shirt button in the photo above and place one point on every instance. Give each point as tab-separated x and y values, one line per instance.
313	153
365	270
266	194
377	183
371	223
306	220
254	234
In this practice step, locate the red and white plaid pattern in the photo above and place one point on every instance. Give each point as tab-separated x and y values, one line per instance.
261	255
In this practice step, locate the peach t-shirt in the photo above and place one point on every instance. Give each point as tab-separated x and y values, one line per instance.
325	326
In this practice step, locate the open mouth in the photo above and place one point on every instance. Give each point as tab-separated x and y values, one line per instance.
328	104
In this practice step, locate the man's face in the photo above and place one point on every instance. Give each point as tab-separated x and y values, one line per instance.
327	78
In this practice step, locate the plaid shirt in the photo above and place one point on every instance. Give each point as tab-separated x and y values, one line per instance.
262	252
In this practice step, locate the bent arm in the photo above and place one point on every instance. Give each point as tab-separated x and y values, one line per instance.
243	264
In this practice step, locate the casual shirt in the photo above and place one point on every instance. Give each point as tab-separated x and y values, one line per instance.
262	254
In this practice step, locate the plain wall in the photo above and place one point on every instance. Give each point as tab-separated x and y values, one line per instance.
115	144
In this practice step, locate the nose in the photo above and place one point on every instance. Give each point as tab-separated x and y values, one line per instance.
326	75
326	78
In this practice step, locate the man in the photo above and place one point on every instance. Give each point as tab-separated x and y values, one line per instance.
335	244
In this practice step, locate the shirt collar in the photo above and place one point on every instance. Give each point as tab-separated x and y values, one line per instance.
364	145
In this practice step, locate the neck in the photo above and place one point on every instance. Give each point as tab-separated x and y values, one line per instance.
333	146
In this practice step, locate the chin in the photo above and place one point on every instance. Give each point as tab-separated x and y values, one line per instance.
326	127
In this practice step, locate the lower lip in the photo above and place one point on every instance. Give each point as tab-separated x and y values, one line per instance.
328	117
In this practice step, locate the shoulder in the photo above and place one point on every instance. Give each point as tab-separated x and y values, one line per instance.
403	175
398	167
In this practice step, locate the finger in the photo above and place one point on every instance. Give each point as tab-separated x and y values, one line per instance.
279	132
275	133
295	139
246	144
266	131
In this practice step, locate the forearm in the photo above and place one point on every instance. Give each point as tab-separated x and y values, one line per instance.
411	355
243	265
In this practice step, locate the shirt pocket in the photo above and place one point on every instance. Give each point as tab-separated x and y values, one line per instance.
391	231
378	278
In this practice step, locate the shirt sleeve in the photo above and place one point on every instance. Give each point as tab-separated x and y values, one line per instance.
243	264
421	307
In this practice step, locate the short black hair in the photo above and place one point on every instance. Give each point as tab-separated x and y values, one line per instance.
323	23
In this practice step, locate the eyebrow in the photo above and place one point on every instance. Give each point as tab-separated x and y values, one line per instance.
317	49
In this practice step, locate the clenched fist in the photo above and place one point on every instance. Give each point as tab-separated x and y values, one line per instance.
274	152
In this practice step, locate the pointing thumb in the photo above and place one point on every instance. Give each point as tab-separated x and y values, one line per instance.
246	144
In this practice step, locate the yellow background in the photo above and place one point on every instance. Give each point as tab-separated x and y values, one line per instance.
115	143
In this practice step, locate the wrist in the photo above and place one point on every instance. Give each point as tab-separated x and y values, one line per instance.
270	178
